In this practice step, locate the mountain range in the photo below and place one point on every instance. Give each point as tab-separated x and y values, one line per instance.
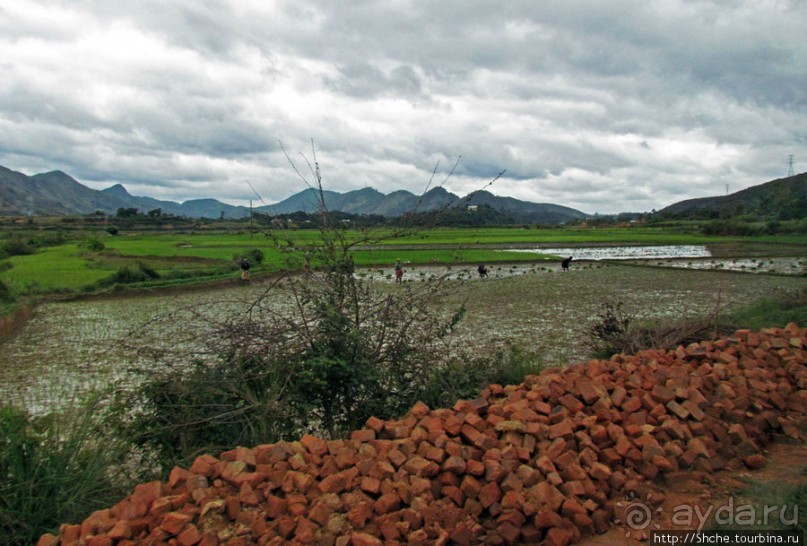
56	193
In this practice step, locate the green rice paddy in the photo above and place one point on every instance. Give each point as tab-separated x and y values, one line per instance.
201	256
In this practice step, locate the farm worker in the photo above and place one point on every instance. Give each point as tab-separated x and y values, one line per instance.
482	270
565	263
244	269
398	271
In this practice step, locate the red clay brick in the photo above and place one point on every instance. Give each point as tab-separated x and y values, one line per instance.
463	535
121	530
571	403
454	493
563	429
755	461
48	540
557	536
173	522
490	494
364	539
693	409
360	513
677	409
189	537
419	466
387	503
375	424
599	471
546	519
547	495
632	404
454	464
363	435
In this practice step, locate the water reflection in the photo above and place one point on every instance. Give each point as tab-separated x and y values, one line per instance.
624	252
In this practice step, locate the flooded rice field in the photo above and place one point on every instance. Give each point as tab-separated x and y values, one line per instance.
551	312
71	347
777	265
679	256
623	252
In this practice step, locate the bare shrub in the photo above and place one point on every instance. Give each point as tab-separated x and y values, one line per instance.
619	330
319	351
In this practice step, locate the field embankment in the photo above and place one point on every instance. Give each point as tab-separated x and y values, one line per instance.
13	318
549	459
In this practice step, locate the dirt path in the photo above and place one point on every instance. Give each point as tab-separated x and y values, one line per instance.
701	495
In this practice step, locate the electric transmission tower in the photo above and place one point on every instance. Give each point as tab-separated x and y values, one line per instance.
790	165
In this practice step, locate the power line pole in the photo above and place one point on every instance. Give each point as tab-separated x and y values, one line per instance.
790	165
252	214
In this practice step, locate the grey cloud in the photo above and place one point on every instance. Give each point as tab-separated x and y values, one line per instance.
363	80
599	105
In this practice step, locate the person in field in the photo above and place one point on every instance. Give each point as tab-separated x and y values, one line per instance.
398	271
244	269
482	270
565	263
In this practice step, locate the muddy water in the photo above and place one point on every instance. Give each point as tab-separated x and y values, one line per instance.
71	347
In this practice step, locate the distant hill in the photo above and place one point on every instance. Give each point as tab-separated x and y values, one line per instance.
304	201
194	208
56	193
396	203
781	199
525	211
370	201
49	193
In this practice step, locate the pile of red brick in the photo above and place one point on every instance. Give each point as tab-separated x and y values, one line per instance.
546	460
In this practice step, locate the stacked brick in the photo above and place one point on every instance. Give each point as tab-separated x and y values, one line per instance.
545	461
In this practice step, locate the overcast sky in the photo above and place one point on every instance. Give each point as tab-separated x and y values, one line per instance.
600	105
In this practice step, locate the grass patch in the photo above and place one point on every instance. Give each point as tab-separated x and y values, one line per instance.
210	246
506	364
221	245
53	268
775	311
767	506
54	470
